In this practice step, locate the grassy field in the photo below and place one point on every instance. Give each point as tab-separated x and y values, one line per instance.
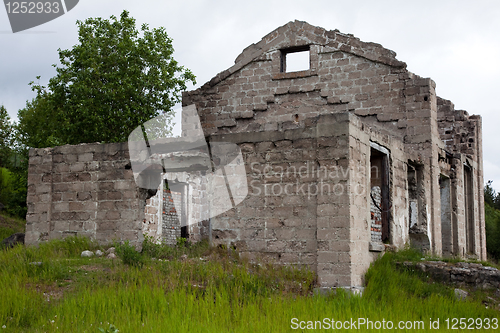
52	289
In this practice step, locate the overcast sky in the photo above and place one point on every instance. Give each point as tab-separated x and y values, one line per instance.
456	43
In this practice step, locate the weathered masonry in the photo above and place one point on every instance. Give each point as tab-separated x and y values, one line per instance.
346	155
86	190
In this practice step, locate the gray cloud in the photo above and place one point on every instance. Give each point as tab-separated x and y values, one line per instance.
456	43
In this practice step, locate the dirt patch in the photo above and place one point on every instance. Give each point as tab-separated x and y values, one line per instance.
94	268
52	292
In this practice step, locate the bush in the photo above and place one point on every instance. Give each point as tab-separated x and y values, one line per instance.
13	189
492	217
129	255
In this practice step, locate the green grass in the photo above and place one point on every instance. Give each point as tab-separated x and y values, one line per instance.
10	225
213	290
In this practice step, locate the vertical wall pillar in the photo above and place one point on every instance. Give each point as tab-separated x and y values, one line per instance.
447	231
39	196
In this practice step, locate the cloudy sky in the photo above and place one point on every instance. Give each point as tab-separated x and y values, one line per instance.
456	43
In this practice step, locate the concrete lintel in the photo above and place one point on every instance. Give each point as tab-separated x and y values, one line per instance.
379	148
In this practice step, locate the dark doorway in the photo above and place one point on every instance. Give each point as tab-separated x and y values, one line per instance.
379	195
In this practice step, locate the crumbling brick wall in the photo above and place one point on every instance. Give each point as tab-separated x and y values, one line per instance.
85	190
462	134
353	95
309	141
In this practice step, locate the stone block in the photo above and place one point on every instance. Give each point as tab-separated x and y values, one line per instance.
114	195
305	234
124	185
61	226
41	207
109	226
68	196
130	194
113	215
77	167
60	207
43	188
334	234
327	257
129	214
83	196
255	245
276	246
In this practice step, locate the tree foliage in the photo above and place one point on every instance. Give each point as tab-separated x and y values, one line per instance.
12	170
37	126
491	197
6	135
492	217
492	220
112	81
13	192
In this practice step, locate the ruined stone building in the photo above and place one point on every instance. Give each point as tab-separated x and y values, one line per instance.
344	157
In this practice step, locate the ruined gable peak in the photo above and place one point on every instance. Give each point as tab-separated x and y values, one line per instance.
299	33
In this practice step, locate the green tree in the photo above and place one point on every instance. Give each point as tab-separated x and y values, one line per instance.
6	132
12	173
491	197
37	126
492	219
111	82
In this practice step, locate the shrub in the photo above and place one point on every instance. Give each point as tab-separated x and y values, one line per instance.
129	255
181	241
492	217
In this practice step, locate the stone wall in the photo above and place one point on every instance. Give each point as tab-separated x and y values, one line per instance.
354	95
85	190
310	140
462	134
461	273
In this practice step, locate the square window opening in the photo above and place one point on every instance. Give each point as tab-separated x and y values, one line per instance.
295	59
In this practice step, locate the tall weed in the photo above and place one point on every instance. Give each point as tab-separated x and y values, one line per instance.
213	290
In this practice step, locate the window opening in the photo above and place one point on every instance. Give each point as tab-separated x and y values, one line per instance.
417	207
295	59
413	195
